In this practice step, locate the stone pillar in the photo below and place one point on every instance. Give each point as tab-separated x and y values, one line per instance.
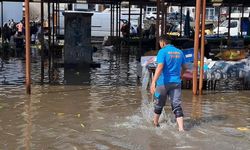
77	38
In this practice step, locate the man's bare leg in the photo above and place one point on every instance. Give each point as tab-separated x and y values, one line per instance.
156	119
180	123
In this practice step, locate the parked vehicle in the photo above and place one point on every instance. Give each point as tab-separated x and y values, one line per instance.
152	16
235	25
100	22
177	17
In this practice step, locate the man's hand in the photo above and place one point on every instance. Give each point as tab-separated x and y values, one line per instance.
158	71
152	88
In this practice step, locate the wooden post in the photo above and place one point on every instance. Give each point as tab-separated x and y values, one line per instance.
27	47
196	45
157	25
202	46
42	41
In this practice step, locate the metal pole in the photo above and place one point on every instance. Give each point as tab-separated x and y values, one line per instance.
218	25
229	27
157	25
58	19
129	18
202	46
53	33
117	19
27	47
181	21
140	29
120	20
49	38
241	29
42	41
2	20
162	18
167	7
111	15
113	19
196	45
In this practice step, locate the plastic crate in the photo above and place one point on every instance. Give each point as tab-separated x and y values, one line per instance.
189	54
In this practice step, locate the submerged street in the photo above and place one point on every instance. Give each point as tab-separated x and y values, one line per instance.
109	110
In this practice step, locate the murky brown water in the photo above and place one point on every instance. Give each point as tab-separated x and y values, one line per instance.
112	112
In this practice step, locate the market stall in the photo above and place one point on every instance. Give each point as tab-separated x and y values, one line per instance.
215	72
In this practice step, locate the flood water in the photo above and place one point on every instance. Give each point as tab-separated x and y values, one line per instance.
111	112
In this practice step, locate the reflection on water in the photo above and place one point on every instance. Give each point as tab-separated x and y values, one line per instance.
112	112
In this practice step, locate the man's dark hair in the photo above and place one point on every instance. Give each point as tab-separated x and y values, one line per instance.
165	38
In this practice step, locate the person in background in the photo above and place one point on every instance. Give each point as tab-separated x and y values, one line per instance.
19	27
152	31
166	82
138	30
125	30
11	23
207	50
6	33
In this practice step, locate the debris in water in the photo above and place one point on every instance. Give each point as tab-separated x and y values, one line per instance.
18	104
78	115
184	147
98	130
82	125
60	114
202	132
242	128
10	134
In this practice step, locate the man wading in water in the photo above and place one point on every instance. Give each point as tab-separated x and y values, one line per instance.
167	80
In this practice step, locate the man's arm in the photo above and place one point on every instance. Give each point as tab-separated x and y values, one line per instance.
158	71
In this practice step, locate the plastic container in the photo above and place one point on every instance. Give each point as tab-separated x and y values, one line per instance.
189	54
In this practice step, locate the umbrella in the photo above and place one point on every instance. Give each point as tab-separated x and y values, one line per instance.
187	25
